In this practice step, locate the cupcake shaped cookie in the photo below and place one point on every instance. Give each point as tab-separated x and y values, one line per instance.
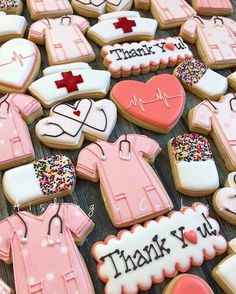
193	166
201	80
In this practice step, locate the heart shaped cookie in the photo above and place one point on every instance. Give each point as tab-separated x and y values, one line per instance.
67	124
224	200
19	65
156	105
186	283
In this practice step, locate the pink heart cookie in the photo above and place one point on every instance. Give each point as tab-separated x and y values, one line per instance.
19	65
156	105
185	284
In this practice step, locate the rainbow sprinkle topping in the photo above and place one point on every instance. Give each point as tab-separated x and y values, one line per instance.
190	71
5	4
55	174
191	147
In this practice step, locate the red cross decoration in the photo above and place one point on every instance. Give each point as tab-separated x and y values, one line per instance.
69	81
125	24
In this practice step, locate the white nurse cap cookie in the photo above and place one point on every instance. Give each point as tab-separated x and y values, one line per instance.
66	82
11	26
39	181
122	26
201	80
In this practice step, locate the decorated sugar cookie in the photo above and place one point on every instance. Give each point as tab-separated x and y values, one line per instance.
122	26
232	80
94	8
19	65
123	60
15	143
169	14
213	7
11	26
214	39
131	190
133	260
223	273
4	288
46	258
224	200
68	125
64	39
43	8
193	167
197	78
156	105
186	283
62	83
218	119
11	6
40	181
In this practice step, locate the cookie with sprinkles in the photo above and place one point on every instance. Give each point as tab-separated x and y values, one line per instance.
193	167
197	78
11	6
39	181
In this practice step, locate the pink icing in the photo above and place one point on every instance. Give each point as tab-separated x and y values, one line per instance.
131	189
41	268
217	4
155	102
44	6
63	37
221	117
178	10
187	284
217	37
15	142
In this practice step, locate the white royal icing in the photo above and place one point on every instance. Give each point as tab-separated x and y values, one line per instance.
226	271
21	184
212	83
124	57
65	67
12	24
168	253
96	119
17	61
198	175
106	31
95	82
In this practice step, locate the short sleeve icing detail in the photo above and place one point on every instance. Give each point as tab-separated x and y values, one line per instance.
230	23
81	22
26	104
189	28
202	116
77	221
147	146
37	31
87	164
6	233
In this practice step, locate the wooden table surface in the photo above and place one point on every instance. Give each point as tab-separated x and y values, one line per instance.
88	196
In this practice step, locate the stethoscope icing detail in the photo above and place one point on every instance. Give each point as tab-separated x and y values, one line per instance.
51	242
121	152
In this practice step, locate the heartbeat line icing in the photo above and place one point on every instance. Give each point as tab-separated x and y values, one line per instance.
160	248
161	105
160	96
19	60
127	59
